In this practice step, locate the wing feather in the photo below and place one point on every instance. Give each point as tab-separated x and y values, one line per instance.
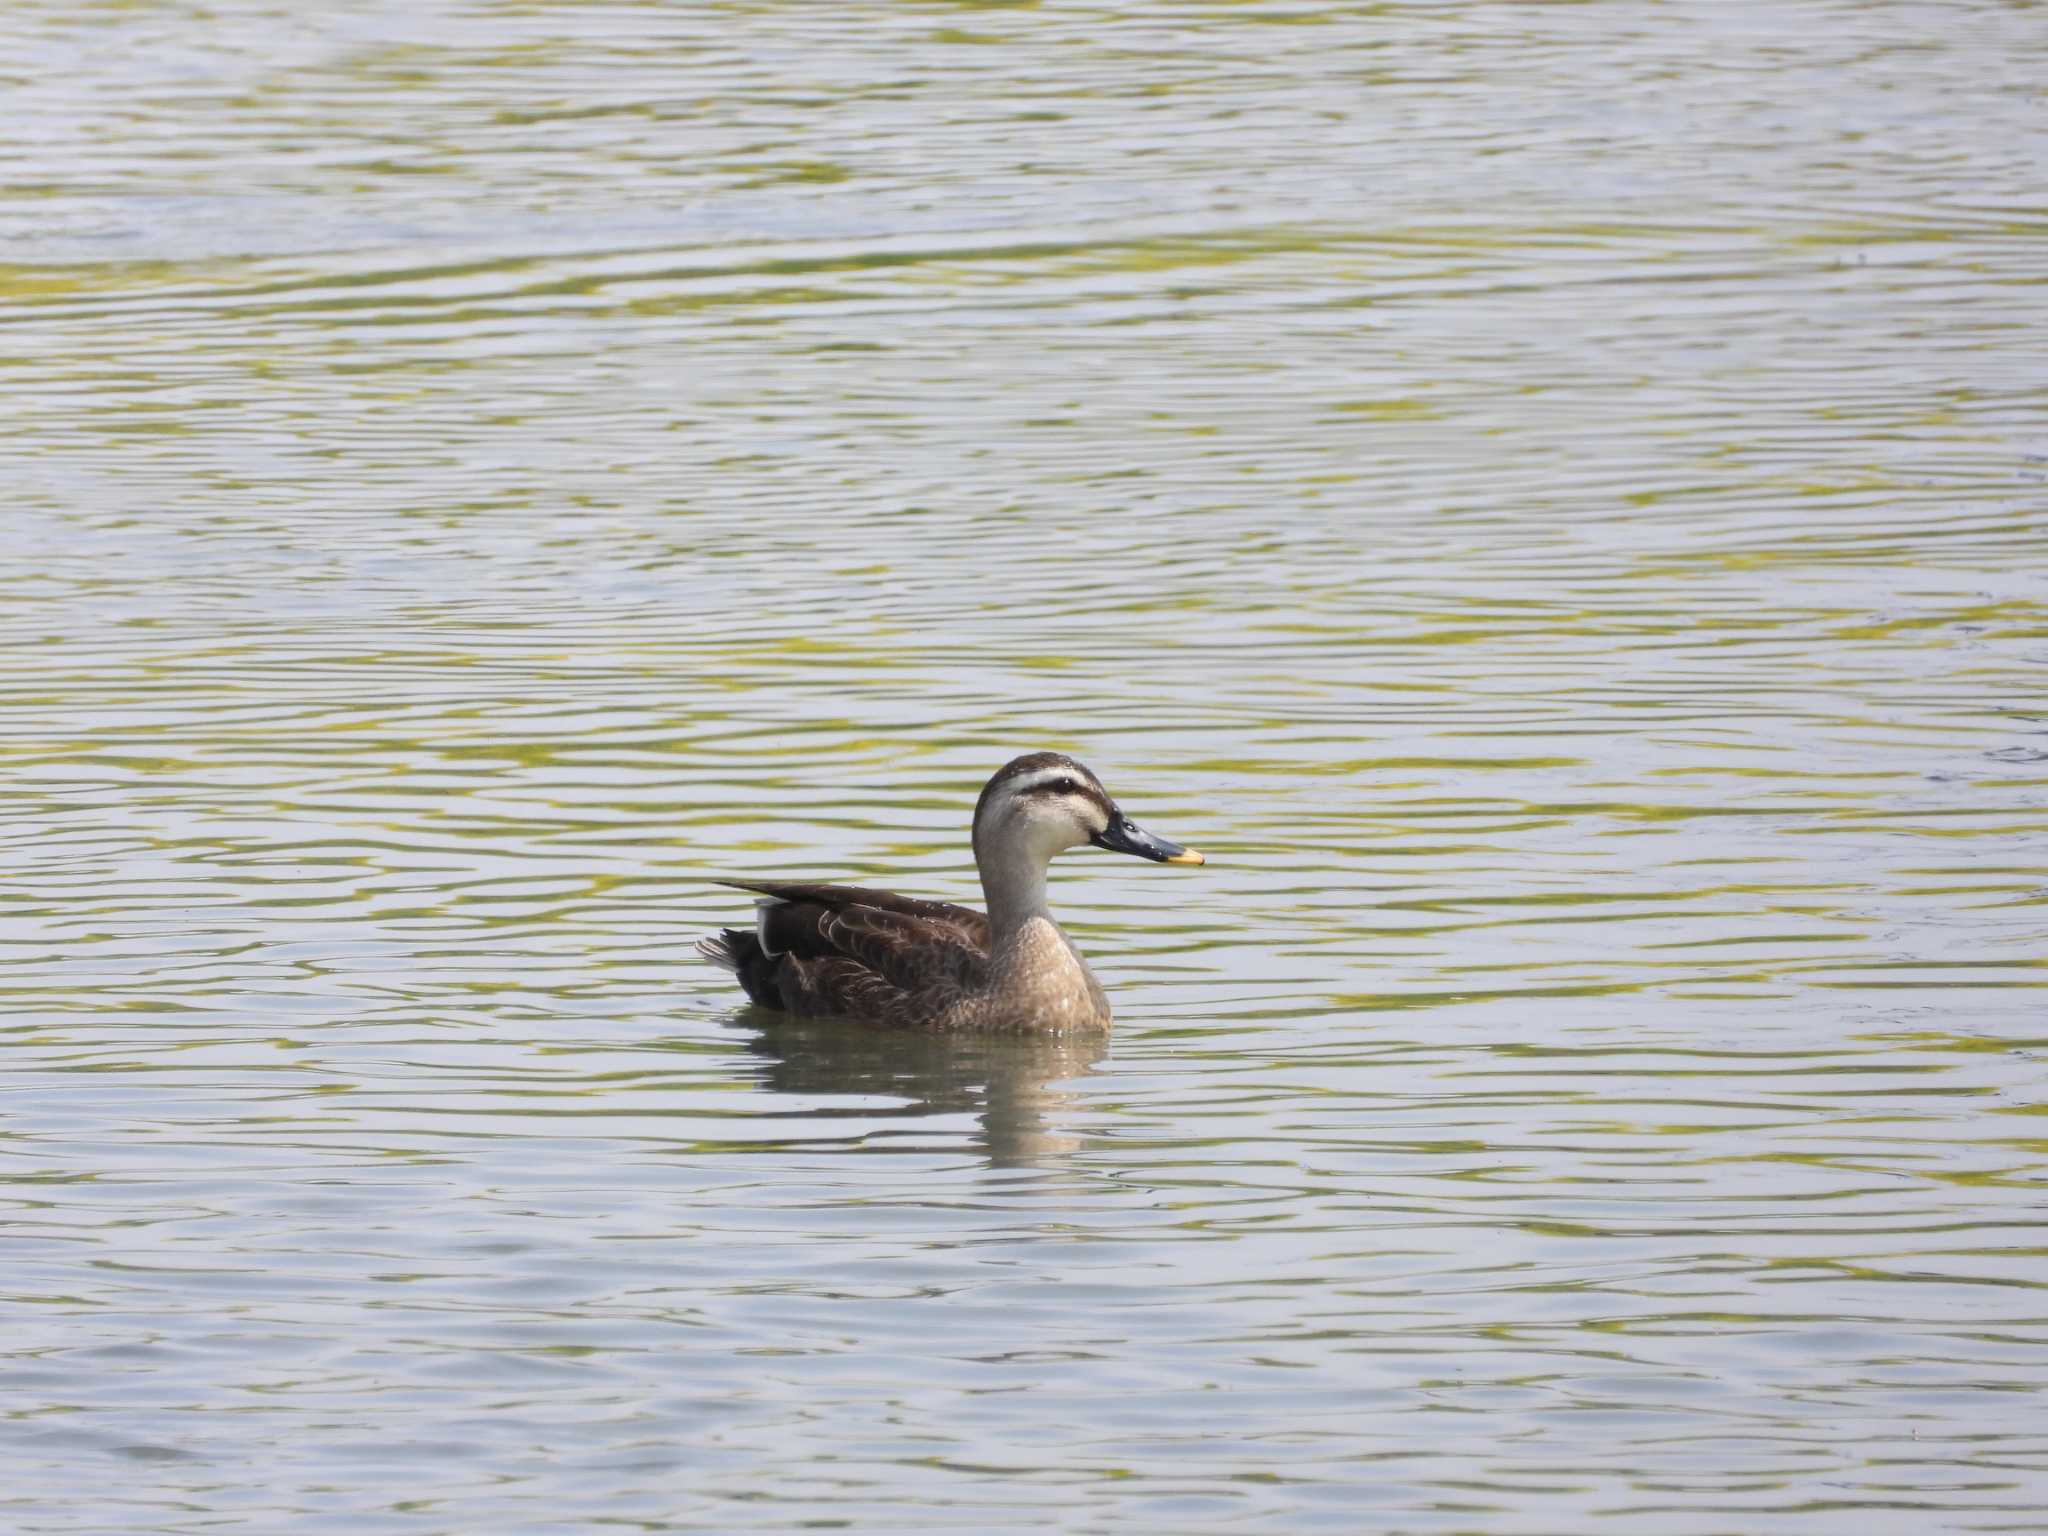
843	949
960	925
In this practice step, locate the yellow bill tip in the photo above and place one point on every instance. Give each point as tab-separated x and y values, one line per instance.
1187	856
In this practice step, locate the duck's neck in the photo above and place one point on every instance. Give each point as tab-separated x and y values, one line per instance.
1015	892
1032	964
1013	884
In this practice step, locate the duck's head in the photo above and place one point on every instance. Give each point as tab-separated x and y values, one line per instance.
1045	802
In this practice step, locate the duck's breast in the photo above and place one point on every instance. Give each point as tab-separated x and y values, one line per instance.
1040	982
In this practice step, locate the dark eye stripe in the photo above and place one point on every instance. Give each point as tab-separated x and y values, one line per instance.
1061	787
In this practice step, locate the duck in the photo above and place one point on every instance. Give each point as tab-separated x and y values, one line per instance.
844	951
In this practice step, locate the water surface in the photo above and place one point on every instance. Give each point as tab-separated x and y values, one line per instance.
1549	498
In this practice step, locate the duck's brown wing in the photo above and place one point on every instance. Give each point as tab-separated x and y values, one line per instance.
843	949
941	920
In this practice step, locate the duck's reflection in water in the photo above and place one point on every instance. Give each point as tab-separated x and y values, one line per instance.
1015	1084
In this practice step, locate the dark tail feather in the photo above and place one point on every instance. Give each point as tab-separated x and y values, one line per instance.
724	949
739	950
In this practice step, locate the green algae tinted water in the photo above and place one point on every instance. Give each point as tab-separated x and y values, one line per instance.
1550	498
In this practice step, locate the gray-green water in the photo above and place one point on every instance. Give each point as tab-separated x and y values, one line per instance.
1549	497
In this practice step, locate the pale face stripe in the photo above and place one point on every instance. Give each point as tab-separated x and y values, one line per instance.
1025	782
1085	789
1017	787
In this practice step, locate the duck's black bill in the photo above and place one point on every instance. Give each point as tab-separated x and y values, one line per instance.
1124	835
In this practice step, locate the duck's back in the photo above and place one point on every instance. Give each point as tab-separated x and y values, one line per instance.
848	951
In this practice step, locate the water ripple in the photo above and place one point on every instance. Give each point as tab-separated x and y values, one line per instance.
1548	497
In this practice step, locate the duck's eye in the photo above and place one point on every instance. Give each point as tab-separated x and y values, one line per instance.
1064	786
